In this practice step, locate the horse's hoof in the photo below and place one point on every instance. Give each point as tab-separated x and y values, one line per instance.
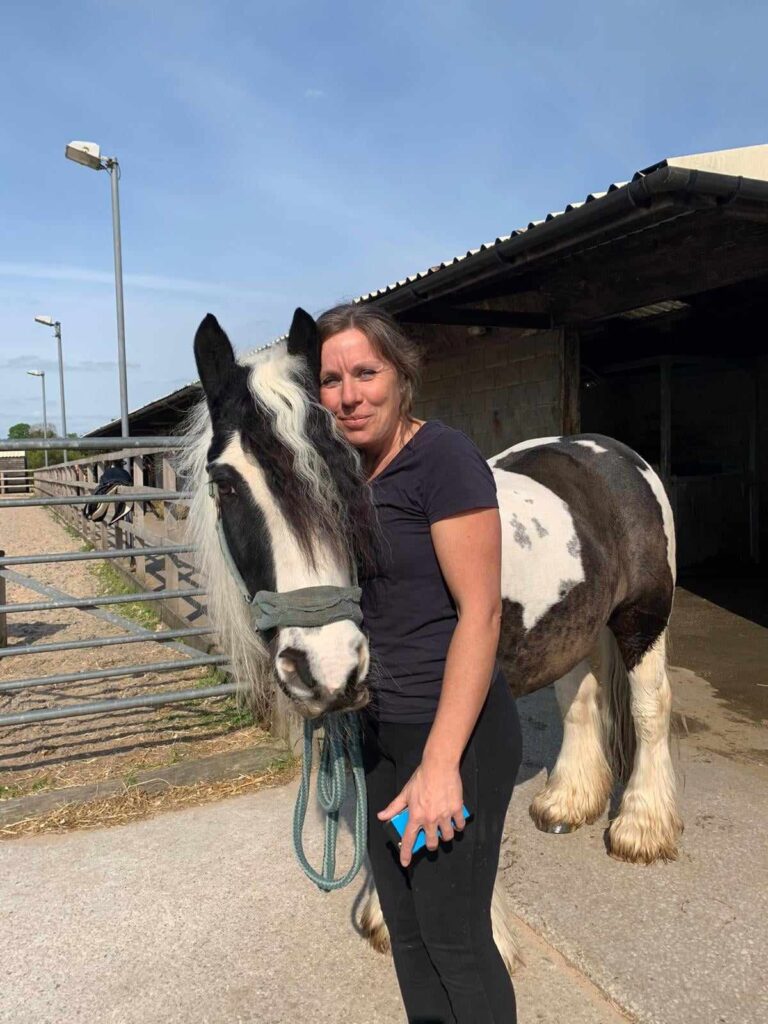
559	828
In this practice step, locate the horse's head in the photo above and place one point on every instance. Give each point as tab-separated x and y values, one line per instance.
288	506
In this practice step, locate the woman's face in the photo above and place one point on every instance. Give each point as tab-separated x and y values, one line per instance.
360	388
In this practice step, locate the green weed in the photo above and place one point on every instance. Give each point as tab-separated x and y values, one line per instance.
109	581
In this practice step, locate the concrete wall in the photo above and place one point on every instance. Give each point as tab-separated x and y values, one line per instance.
499	388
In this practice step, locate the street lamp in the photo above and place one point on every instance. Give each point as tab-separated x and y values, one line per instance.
89	155
41	375
48	321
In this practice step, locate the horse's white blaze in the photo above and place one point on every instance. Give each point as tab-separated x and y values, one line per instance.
521	447
595	447
333	650
668	520
540	552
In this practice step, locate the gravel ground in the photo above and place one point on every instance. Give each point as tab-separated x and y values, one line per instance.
77	750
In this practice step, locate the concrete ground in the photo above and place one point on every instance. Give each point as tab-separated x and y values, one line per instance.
203	916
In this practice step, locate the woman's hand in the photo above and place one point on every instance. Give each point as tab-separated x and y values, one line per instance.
433	795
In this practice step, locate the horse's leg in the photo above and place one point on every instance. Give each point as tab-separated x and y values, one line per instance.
580	783
648	825
374	927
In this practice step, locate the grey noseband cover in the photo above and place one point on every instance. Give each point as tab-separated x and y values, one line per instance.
311	606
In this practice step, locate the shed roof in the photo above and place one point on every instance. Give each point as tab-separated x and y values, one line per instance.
722	175
746	162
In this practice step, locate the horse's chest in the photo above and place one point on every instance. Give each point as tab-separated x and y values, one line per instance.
541	559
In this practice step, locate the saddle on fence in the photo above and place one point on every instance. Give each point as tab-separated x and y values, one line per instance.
110	512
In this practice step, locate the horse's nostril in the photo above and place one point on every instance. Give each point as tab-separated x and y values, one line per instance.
294	661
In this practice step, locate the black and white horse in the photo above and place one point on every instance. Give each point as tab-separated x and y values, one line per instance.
588	573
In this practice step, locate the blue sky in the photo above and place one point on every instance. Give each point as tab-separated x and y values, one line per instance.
299	153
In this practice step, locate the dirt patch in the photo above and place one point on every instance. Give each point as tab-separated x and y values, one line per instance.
727	649
708	725
73	751
136	803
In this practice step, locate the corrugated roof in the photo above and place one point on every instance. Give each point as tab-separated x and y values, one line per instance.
413	278
747	161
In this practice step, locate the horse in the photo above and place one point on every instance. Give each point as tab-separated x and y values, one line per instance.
588	577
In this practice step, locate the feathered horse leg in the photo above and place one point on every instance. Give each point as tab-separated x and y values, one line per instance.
648	825
580	783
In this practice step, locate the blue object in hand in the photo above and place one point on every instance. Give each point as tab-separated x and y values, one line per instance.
395	829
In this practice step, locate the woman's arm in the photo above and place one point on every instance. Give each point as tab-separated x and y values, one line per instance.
468	548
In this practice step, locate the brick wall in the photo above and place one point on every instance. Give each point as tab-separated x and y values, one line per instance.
499	388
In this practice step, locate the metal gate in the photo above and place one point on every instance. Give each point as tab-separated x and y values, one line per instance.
153	535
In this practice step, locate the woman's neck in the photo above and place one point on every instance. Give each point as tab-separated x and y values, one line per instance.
376	461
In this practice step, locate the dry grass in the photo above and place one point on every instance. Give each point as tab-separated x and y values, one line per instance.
134	803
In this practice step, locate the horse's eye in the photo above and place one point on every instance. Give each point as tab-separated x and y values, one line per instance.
225	489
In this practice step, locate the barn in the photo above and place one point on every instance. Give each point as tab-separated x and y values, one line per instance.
638	312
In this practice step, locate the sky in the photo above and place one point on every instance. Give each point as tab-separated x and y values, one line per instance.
309	151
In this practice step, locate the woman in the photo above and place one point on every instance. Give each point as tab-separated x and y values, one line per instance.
441	729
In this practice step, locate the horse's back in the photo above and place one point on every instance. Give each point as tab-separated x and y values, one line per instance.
587	541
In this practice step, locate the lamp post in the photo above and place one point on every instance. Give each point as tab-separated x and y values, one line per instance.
41	375
89	155
48	321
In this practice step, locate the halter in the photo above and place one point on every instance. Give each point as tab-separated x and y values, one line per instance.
315	606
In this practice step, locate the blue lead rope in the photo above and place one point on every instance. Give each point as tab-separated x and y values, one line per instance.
342	743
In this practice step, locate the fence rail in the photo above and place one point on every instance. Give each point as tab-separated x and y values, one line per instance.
148	548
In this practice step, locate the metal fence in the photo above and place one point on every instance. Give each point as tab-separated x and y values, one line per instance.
147	549
15	481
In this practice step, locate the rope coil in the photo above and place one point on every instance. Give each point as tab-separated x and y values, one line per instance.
342	743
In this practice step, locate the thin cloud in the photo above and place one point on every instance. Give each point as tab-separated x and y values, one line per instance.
149	282
32	362
314	94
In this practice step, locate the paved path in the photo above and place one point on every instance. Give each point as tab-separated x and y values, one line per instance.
202	915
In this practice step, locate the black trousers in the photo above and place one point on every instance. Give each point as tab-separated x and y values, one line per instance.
438	909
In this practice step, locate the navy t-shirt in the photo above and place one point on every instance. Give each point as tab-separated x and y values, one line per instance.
408	612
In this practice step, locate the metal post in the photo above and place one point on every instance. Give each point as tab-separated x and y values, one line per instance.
3	616
57	332
45	415
114	173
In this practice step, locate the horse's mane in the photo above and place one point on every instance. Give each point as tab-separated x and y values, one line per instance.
316	478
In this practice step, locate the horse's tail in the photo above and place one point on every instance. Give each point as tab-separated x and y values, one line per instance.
504	931
618	727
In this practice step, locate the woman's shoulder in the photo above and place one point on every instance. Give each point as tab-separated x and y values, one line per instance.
437	438
454	476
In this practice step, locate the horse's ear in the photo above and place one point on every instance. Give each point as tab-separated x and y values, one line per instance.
303	341
214	356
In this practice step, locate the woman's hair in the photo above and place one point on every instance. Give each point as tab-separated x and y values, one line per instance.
387	341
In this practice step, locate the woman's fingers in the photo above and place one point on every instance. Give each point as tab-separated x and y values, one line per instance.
409	838
446	829
394	807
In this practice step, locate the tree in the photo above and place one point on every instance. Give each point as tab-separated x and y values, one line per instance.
36	459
